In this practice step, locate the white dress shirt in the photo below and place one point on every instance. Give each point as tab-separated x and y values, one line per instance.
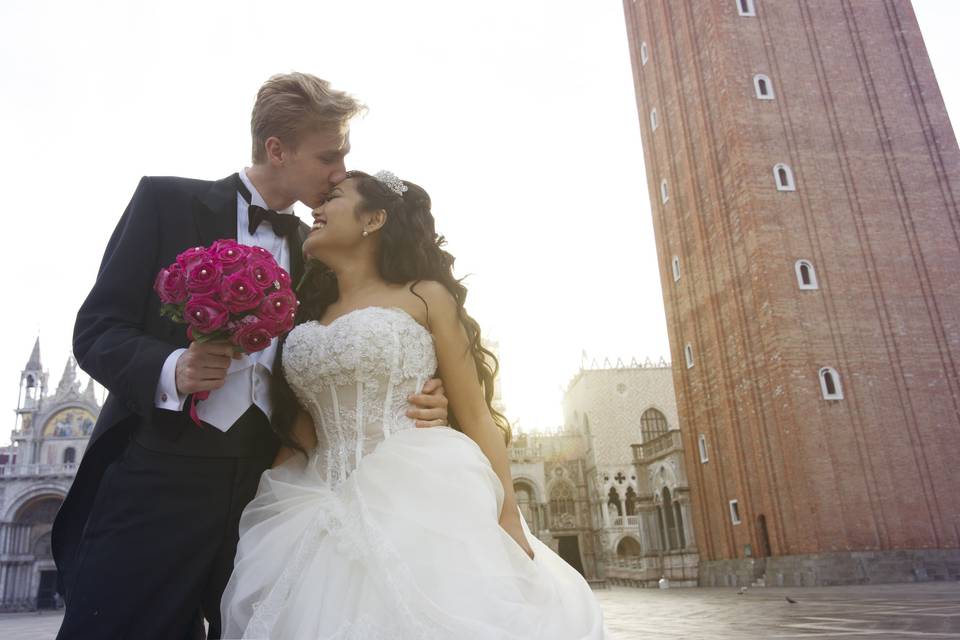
248	378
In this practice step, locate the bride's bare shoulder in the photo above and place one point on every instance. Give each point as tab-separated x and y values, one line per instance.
430	299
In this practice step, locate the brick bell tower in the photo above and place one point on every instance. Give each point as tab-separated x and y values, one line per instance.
804	182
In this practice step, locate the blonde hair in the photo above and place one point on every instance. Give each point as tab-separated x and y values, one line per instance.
291	104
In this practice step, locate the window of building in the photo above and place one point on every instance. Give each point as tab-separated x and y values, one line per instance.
630	504
613	502
644	53
672	536
746	8
654	123
561	501
676	269
664	194
734	512
678	516
763	87
688	354
526	502
653	424
702	445
69	455
783	175
806	275
830	384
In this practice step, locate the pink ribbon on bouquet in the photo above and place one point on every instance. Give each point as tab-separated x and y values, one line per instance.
194	399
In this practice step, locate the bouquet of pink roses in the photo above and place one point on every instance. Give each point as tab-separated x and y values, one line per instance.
229	291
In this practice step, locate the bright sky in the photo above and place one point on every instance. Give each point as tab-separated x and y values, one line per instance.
518	117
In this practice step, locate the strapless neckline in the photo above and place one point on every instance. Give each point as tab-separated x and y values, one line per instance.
374	307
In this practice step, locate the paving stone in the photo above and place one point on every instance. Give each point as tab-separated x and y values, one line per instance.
879	612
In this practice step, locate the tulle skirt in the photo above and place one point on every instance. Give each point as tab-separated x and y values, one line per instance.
407	547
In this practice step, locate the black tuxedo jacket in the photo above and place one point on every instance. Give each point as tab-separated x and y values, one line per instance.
119	337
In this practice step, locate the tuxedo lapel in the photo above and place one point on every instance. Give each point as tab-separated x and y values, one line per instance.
215	212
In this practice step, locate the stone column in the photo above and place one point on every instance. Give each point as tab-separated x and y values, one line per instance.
684	501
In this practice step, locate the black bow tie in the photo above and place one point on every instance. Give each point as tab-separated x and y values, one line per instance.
283	224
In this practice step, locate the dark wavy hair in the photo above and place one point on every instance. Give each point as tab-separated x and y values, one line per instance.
410	251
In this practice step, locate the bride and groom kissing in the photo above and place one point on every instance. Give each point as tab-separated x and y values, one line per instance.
307	504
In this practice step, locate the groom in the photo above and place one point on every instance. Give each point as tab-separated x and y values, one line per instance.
144	542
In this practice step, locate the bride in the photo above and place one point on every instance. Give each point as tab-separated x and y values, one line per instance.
367	527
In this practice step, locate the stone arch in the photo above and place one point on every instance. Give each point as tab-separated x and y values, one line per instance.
663	475
35	493
536	489
627	546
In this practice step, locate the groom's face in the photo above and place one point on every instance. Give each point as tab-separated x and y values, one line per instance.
316	165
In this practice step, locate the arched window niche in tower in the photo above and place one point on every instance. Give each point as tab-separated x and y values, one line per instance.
734	512
654	122
806	275
644	53
746	8
664	191
783	176
688	355
763	87
675	264
830	386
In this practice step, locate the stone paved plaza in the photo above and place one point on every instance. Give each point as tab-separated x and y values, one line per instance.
930	610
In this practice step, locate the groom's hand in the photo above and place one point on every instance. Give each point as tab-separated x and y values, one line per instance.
430	405
203	367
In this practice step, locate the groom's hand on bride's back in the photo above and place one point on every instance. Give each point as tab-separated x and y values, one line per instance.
203	367
429	407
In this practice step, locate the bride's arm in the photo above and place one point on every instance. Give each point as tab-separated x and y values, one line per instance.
459	374
305	435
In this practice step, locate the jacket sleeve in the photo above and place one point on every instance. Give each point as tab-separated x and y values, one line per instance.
109	338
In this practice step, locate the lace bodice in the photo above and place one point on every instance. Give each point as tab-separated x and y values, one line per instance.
353	377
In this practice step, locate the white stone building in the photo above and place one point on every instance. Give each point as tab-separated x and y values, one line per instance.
36	470
630	415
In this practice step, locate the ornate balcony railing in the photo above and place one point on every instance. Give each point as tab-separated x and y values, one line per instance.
670	441
525	453
626	521
37	470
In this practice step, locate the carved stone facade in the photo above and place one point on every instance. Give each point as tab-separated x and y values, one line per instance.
35	473
631	519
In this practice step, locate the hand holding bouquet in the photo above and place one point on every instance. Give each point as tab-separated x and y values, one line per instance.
231	292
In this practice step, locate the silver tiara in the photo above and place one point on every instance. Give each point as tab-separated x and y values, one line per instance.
390	181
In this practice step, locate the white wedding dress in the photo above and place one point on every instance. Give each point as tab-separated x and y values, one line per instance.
386	530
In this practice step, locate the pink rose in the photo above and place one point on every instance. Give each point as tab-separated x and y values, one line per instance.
231	255
240	292
203	276
288	322
264	272
252	335
205	315
190	257
283	278
171	285
260	252
278	306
